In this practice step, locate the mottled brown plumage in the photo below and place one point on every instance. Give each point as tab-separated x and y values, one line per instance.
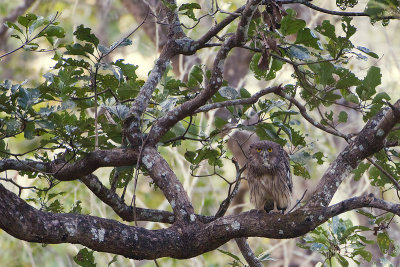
269	176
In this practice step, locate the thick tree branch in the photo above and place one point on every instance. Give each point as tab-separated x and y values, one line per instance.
167	181
27	223
118	205
64	171
126	212
370	140
171	118
177	43
82	169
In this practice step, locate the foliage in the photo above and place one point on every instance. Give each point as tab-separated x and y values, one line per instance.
339	240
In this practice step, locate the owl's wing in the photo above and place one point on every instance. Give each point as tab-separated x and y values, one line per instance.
286	163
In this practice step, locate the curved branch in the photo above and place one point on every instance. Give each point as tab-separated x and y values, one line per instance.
13	17
162	125
27	223
332	12
370	140
305	115
167	181
244	101
64	171
247	253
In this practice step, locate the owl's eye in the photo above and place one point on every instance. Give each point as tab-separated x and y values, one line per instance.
258	149
269	149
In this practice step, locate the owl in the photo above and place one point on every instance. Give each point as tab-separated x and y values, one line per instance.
269	177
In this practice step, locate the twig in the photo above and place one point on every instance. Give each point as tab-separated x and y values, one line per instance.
305	115
298	201
247	253
225	204
332	12
244	101
388	175
28	40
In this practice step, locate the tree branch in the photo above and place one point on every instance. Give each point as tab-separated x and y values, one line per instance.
332	12
13	17
305	115
244	101
370	140
170	185
247	253
27	223
163	124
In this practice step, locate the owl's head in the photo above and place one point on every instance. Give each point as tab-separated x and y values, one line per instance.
265	154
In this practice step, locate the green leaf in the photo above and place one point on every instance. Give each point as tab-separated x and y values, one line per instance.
123	174
364	253
385	262
367	88
342	260
342	116
230	255
195	76
79	50
300	170
172	7
299	52
308	38
219	122
55	31
55	207
367	51
85	258
36	24
290	24
114	259
188	8
324	73
27	19
29	132
347	79
276	65
83	34
362	167
77	209
258	73
244	93
349	29
378	99
128	69
31	47
228	92
13	26
190	156
327	29
383	241
319	157
265	257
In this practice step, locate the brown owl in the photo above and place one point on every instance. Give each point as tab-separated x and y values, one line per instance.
269	177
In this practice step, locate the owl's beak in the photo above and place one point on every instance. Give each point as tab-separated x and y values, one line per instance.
265	155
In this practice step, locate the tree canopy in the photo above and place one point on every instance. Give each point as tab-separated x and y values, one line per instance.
99	153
